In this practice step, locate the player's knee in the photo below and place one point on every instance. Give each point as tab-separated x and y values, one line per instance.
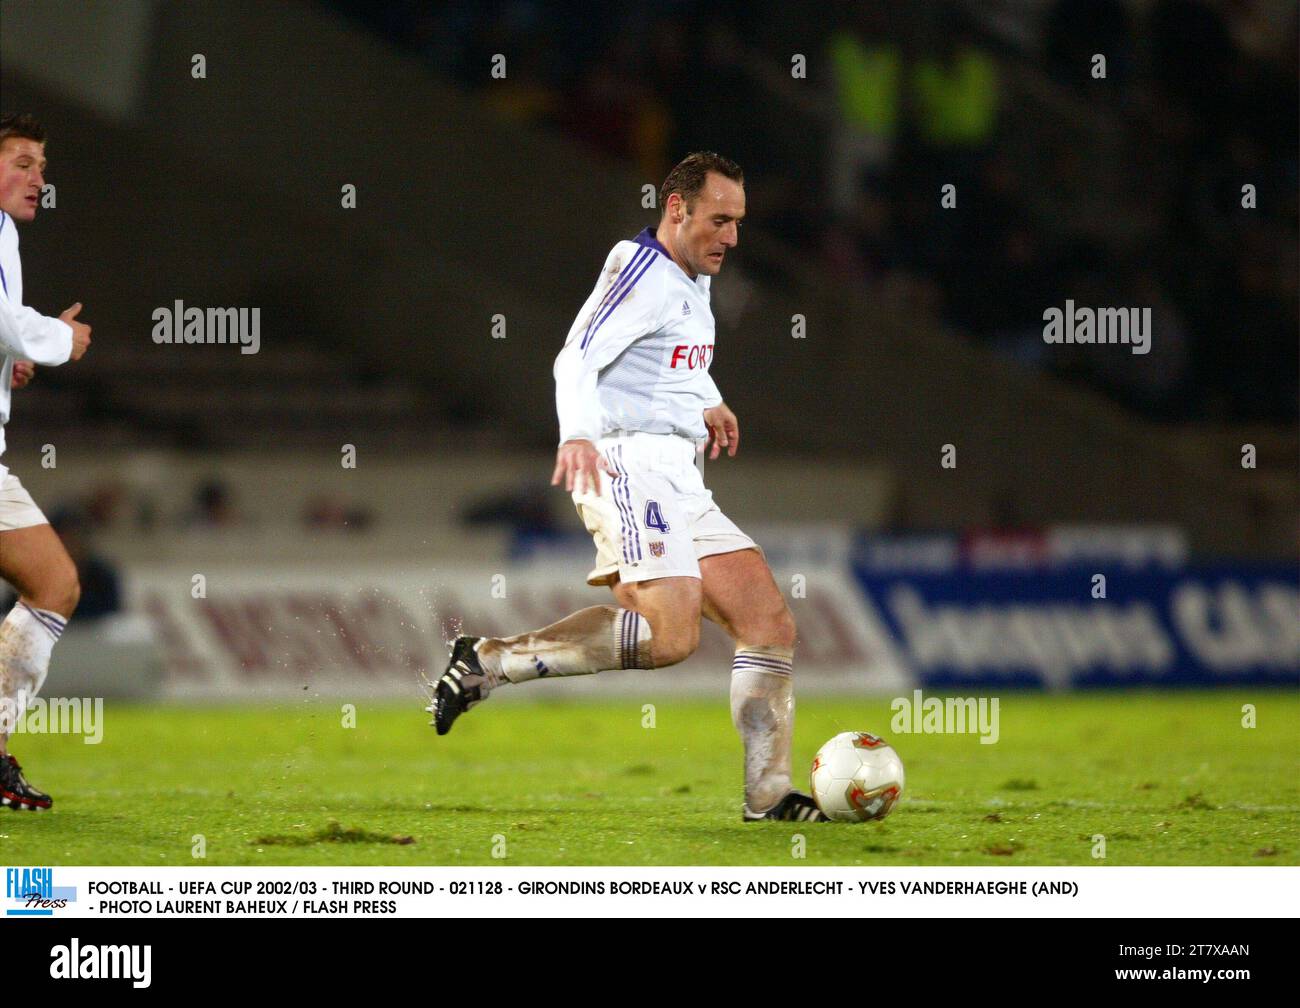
784	632
771	630
74	593
624	594
60	592
674	641
774	627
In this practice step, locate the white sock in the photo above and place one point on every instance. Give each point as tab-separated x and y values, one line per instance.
595	639
762	709
27	637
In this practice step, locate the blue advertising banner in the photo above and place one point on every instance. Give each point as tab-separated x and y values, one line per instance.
1071	628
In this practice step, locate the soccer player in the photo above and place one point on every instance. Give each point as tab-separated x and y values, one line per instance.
32	558
635	401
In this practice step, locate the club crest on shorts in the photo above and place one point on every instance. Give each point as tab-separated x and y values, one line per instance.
657	549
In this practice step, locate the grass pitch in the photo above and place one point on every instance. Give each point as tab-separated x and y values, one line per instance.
1167	778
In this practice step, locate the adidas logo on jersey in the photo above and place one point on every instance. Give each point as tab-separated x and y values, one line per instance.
686	308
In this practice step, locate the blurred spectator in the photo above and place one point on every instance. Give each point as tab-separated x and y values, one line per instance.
104	505
329	512
1077	30
525	96
1155	382
957	96
213	507
1194	60
526	509
867	74
602	112
1259	337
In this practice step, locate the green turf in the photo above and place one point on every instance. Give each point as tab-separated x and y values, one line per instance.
1168	778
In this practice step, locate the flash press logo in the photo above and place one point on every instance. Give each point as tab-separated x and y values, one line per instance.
75	961
31	892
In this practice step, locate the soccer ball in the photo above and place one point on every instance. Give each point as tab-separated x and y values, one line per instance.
856	776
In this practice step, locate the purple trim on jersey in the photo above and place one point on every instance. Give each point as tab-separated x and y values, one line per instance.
614	288
641	261
648	239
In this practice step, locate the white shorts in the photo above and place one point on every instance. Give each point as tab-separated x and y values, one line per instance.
654	518
17	509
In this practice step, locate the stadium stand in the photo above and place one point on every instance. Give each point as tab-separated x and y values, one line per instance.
377	322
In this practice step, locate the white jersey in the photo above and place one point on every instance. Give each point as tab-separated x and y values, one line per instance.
25	334
638	355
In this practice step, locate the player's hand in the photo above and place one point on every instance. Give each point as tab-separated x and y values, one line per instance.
578	462
80	331
24	370
723	429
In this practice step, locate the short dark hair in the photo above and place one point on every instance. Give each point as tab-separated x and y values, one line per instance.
687	178
21	124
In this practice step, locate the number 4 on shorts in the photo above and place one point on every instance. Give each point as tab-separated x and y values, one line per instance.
654	518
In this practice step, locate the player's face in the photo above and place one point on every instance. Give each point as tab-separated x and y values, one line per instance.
713	225
22	175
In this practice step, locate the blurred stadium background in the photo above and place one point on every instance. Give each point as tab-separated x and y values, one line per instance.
482	199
